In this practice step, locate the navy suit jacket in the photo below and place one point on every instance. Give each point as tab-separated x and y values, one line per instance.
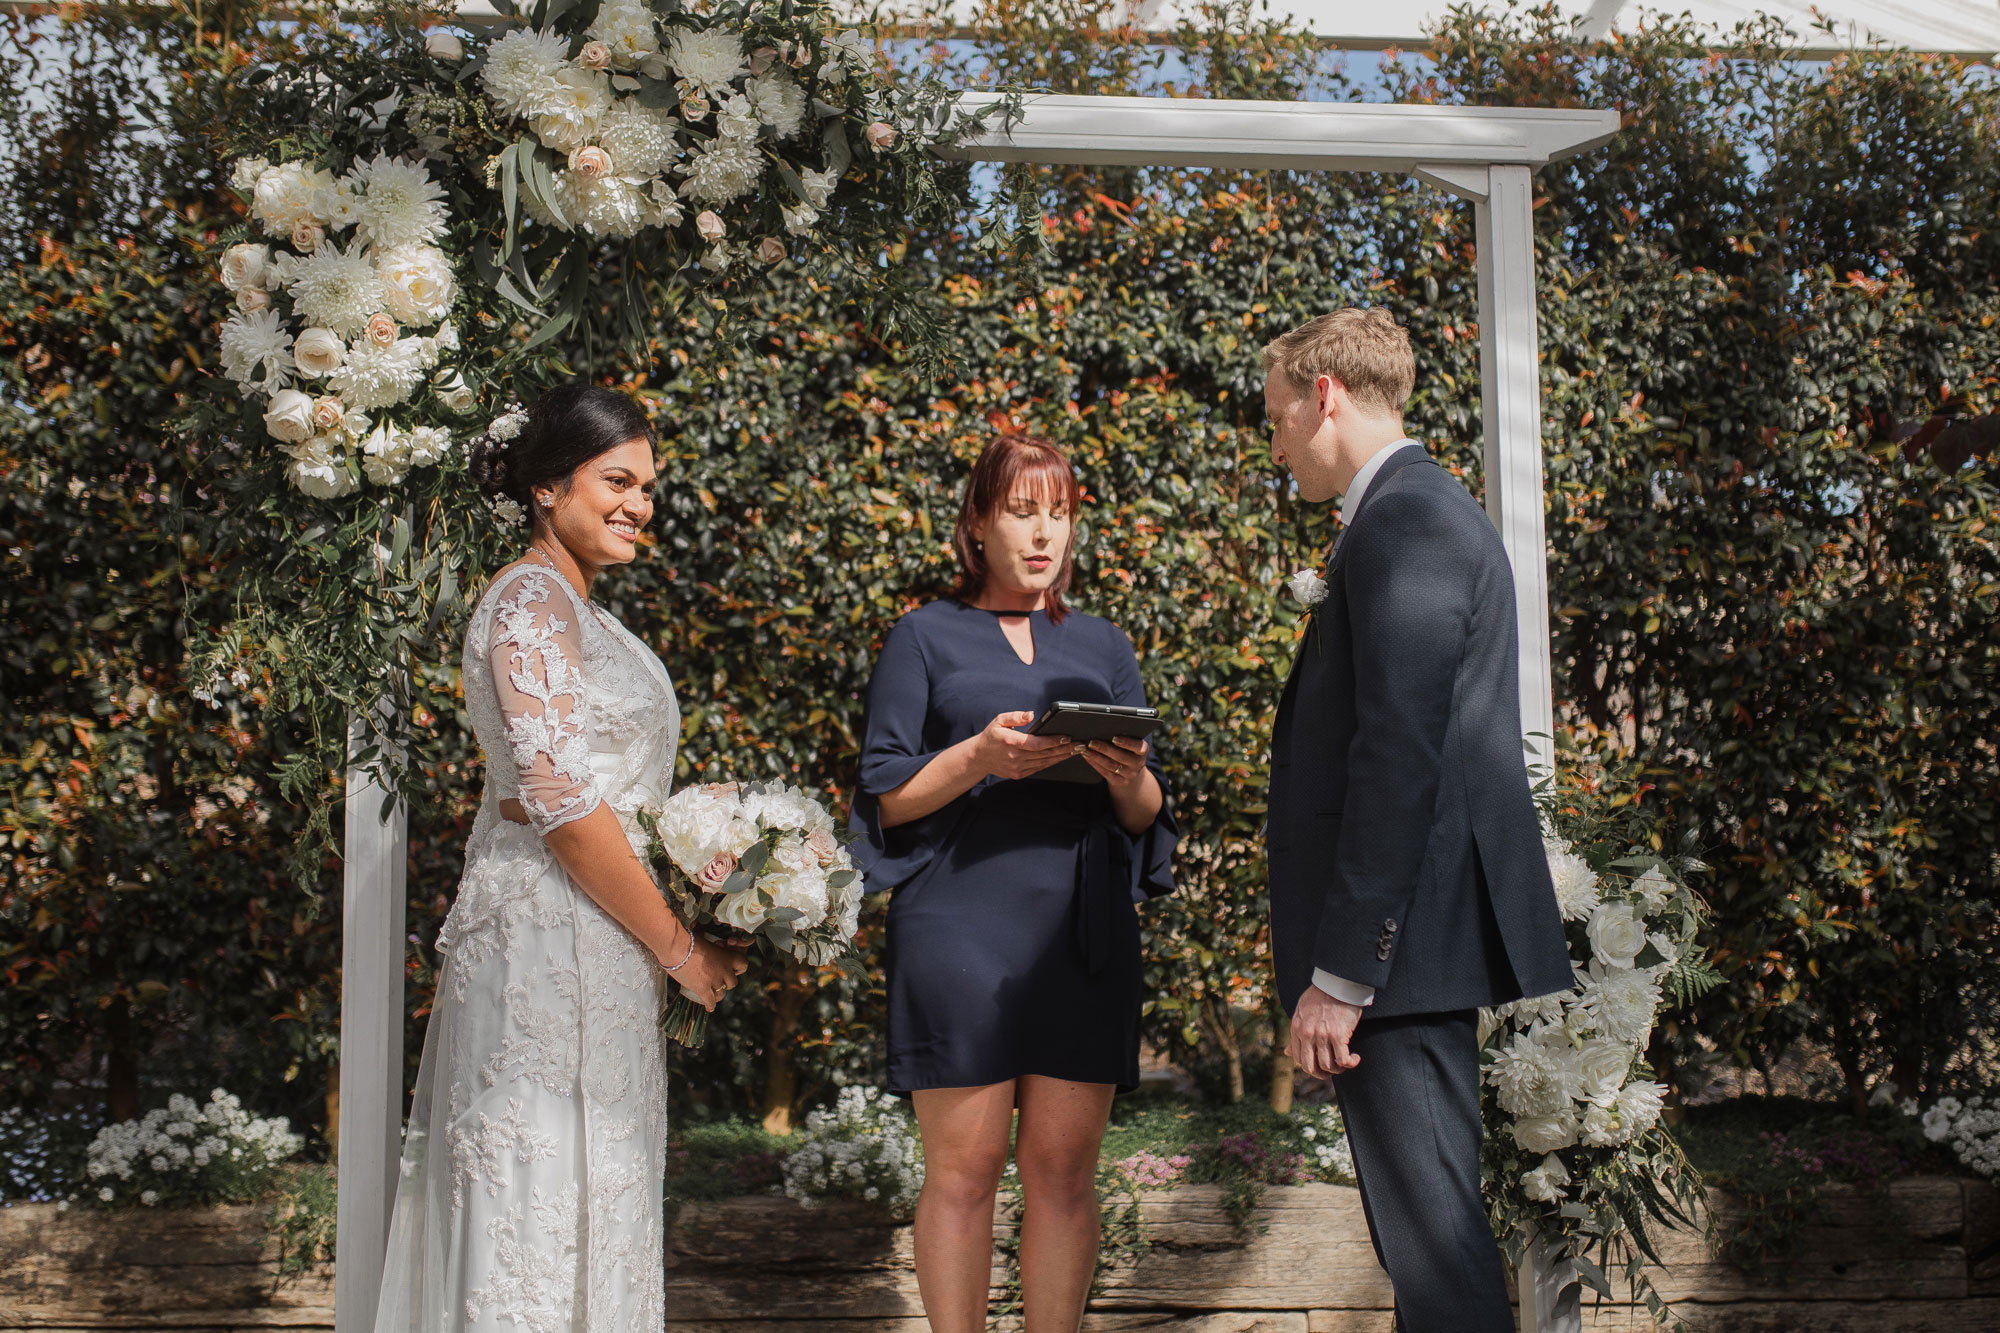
1405	848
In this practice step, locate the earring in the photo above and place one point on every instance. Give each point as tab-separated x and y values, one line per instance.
546	501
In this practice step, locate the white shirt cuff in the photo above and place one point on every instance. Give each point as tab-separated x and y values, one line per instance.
1340	988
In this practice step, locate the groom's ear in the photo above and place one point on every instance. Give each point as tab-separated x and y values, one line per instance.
1326	386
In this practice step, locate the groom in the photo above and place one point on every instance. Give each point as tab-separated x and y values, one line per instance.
1408	883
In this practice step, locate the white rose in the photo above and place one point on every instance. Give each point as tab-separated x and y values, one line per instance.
881	136
252	299
709	226
443	46
1617	933
245	265
290	416
740	911
328	413
417	283
243	177
1604	1064
1546	1133
454	393
594	55
306	237
1544	1183
447	337
318	352
1308	587
284	197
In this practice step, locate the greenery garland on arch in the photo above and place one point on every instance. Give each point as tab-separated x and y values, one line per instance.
442	221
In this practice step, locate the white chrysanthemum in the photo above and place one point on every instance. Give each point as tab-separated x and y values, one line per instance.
257	351
417	283
607	206
568	112
401	205
706	61
336	289
377	377
627	28
780	102
1638	1108
639	138
521	68
721	170
1620	1001
1536	1074
283	197
1576	883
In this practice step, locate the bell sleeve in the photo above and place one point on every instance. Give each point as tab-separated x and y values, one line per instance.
537	656
896	744
1152	850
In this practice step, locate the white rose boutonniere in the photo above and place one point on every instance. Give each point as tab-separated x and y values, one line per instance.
1308	587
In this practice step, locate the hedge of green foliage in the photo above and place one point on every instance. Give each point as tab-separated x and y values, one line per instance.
1768	592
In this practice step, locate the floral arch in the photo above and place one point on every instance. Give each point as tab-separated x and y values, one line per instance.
433	215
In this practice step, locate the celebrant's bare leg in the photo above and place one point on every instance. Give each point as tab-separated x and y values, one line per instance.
965	1132
1062	1127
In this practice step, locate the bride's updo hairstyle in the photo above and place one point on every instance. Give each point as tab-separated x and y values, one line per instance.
567	427
1014	461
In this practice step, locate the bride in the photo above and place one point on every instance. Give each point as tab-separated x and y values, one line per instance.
530	1197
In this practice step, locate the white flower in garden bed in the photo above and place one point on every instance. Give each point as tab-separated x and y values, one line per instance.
330	327
863	1147
186	1153
1970	1128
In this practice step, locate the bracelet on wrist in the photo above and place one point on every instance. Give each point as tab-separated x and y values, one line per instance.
684	957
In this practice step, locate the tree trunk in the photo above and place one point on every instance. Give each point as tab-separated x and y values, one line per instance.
121	1063
781	1078
1281	1063
333	1109
1848	1057
1221	1025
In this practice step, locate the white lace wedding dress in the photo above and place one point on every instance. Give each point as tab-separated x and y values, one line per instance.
530	1198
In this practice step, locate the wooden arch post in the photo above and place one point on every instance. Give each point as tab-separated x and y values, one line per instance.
1485	154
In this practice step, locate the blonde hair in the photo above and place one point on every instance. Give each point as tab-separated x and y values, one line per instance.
1366	350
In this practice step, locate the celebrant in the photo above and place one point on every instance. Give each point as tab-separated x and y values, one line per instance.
1017	860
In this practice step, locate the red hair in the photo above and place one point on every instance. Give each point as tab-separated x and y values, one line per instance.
1001	469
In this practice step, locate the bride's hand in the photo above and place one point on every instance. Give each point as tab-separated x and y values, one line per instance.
1006	751
712	970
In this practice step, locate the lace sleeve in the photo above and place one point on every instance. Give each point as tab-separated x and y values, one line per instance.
537	655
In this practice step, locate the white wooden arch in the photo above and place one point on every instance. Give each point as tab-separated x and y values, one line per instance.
1485	154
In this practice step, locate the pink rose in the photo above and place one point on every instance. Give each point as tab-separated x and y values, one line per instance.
382	329
716	873
590	162
695	108
252	299
762	59
881	135
822	844
328	413
771	250
798	54
709	226
595	55
307	236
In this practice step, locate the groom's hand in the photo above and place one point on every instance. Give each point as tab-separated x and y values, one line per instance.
1321	1029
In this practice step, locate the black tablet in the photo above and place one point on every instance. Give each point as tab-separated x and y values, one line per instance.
1089	722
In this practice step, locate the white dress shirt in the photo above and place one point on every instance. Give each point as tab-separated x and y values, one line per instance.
1340	988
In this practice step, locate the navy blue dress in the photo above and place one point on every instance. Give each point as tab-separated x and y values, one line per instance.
1013	941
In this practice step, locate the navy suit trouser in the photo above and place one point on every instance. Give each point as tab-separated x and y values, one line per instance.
1412	1113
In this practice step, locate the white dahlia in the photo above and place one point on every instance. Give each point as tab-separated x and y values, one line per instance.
780	102
627	28
568	112
400	205
336	289
257	350
639	138
722	170
378	377
417	283
521	68
706	61
1576	883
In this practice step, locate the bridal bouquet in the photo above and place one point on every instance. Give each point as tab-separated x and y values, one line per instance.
781	875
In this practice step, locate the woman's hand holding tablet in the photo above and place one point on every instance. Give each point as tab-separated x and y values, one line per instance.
1114	737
